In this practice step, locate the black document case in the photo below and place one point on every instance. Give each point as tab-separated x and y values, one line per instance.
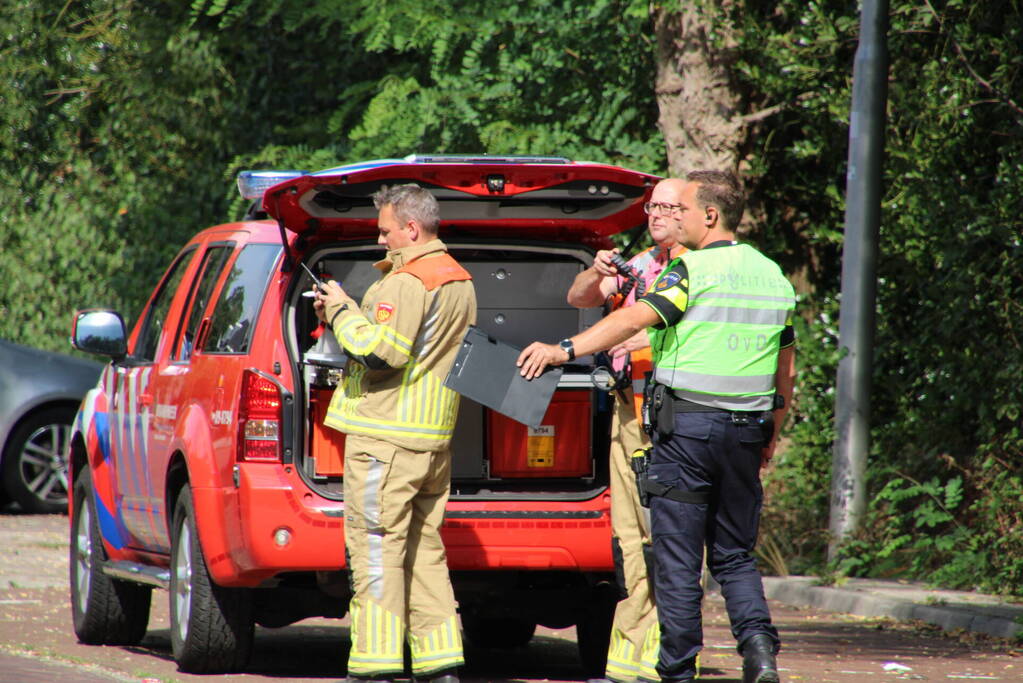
485	371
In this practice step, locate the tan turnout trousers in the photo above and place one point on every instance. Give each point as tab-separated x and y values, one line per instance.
394	507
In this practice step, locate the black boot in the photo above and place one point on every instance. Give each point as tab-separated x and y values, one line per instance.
758	664
447	676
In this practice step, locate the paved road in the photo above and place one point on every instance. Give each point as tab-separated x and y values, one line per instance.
37	643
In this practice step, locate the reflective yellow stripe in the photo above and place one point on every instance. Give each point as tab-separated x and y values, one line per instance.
377	637
651	650
437	650
621	658
371	427
361	337
426	409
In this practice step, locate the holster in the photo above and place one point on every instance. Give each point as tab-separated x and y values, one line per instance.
664	409
658	410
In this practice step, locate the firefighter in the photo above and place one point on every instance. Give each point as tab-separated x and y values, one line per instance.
724	368
399	417
632	652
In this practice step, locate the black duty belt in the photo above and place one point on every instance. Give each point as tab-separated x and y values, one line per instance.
684	406
739	417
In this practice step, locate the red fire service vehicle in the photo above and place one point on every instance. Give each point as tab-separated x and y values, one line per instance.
200	464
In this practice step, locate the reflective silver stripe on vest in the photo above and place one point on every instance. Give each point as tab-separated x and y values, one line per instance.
714	294
732	314
738	403
715	384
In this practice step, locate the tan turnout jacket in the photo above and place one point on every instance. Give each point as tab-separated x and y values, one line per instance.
401	344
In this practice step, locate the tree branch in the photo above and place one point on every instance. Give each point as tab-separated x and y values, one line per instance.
1004	99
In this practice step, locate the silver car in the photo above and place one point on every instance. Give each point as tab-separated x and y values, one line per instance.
39	396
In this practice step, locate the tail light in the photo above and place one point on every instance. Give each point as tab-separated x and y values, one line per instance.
259	420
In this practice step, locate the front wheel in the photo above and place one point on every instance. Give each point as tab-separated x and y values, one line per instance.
212	627
104	611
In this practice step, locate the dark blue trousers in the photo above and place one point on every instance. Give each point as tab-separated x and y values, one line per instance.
715	453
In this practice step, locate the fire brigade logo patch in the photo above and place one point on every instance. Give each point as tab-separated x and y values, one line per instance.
384	312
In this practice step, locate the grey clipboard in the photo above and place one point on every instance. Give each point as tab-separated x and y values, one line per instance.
485	371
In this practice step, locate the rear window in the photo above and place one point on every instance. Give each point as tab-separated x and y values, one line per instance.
235	313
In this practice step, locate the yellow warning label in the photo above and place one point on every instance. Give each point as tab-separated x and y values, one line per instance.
540	446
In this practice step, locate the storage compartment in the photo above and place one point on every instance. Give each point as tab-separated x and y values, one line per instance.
559	447
467	446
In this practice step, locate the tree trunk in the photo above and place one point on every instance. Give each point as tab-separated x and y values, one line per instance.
701	114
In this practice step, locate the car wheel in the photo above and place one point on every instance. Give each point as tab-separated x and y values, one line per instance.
497	632
212	627
593	632
34	469
105	611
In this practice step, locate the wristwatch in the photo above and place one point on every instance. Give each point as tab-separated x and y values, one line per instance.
569	348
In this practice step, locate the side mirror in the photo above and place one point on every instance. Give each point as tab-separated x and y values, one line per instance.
101	332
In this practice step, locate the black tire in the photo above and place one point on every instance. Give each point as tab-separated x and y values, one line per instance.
34	468
497	632
212	627
104	611
593	632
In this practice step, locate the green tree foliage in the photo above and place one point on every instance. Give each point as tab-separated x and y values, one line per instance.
514	78
946	397
115	135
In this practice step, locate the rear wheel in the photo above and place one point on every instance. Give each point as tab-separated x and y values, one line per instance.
497	632
593	632
105	611
34	470
212	627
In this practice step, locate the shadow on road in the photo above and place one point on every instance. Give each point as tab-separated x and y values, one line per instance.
321	652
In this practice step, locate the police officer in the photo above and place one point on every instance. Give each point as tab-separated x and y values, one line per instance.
635	635
724	367
399	418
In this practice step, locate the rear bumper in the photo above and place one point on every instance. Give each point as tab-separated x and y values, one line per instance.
280	526
531	535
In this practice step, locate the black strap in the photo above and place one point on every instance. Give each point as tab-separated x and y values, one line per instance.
338	312
655	488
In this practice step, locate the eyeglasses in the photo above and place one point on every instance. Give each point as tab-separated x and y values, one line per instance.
662	209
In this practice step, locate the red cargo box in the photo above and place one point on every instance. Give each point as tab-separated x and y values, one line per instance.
559	447
328	445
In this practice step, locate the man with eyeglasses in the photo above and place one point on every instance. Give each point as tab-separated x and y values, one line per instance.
635	634
724	369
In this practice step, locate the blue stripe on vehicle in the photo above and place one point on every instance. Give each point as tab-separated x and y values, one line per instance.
102	422
108	526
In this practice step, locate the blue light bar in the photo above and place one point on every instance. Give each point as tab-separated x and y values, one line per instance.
252	184
483	159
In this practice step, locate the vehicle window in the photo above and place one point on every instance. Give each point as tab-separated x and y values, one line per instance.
234	315
213	264
156	318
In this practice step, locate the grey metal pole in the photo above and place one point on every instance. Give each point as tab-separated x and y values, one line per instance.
859	282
